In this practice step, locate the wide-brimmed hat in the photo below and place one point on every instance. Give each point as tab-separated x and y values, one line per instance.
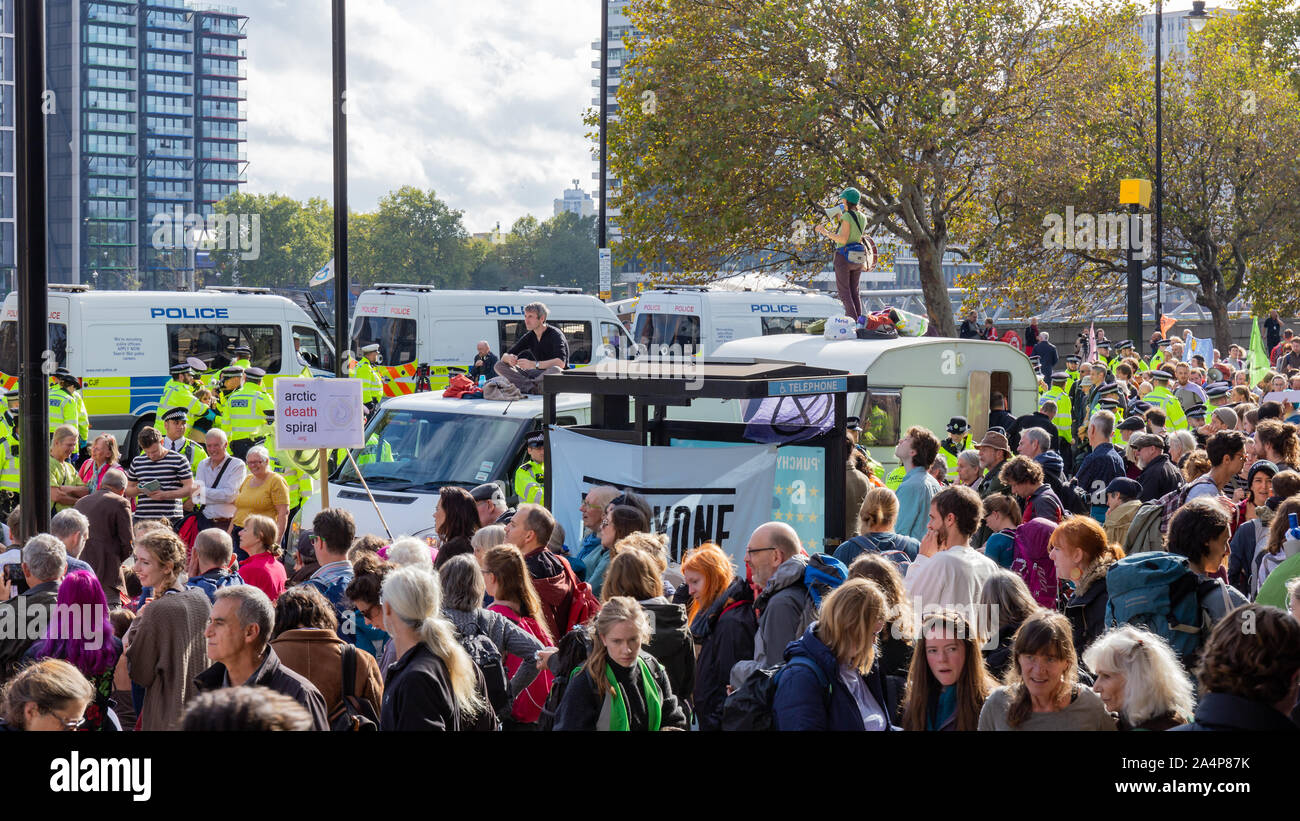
995	440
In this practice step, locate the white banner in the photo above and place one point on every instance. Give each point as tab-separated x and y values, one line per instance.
318	413
720	495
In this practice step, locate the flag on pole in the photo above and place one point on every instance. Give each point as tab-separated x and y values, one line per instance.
1092	342
1257	357
1195	346
1166	322
322	276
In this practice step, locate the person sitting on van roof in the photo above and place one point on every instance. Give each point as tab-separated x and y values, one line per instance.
540	352
485	362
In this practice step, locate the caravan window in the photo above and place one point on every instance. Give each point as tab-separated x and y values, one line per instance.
396	338
787	324
58	342
667	329
881	417
309	343
215	344
577	334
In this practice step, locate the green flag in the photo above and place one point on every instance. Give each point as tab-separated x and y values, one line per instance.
1258	357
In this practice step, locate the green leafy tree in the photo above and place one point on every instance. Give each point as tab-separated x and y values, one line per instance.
294	240
415	237
738	121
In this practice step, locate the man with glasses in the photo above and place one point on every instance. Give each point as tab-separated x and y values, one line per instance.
592	558
785	607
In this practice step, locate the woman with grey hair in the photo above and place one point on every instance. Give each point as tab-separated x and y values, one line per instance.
263	492
969	470
462	604
1181	443
1140	678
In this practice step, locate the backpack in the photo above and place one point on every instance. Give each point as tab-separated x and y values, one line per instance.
1147	532
500	388
570	654
1266	563
487	658
583	604
354	714
1032	564
1161	592
823	574
749	708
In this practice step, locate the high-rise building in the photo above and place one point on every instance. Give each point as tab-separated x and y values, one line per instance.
146	138
575	201
619	25
8	194
1177	28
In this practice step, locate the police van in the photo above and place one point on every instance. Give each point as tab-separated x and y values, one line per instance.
122	343
911	381
421	325
702	318
420	443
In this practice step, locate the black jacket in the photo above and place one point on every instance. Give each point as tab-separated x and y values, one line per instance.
1159	478
1002	419
582	704
418	694
12	650
275	676
1222	711
998	660
671	645
1087	613
725	635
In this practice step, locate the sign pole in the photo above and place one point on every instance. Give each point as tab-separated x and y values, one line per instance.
378	512
323	460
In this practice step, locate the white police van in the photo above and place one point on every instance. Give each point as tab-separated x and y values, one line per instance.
123	343
703	317
422	443
421	324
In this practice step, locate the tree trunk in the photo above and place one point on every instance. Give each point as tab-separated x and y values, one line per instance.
1218	307
933	288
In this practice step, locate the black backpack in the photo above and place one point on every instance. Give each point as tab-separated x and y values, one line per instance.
487	658
749	708
354	714
570	654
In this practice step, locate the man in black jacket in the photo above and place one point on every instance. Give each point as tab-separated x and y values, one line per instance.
998	415
44	562
238	631
970	326
1159	476
542	350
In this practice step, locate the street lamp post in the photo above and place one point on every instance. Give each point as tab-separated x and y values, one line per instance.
339	9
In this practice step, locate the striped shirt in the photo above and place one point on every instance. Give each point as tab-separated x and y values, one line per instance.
170	471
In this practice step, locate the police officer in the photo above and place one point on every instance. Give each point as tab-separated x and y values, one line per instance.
245	421
175	420
1103	354
298	476
1217	394
231	380
1063	420
528	479
373	452
253	379
372	386
64	408
1071	372
9	452
1161	397
957	441
179	392
242	353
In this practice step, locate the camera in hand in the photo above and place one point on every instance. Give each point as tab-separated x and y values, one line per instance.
14	573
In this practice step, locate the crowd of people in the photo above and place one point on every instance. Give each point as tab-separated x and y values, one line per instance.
1122	557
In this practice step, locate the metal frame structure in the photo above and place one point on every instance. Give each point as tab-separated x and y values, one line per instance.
623	395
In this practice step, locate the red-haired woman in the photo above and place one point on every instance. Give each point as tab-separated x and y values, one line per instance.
723	626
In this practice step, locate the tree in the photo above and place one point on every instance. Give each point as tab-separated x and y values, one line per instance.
1271	30
294	239
1231	188
415	237
739	120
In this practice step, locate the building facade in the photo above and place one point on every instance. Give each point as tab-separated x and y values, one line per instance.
147	136
576	201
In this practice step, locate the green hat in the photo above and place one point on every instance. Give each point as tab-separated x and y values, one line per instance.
853	195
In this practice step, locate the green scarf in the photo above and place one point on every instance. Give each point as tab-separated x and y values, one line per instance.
654	700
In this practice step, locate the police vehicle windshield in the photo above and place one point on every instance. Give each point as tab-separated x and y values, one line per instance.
423	450
395	337
667	329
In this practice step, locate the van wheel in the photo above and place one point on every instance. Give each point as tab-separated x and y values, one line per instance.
132	448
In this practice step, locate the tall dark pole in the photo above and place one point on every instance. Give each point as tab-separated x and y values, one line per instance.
604	115
1134	284
29	167
339	14
1160	177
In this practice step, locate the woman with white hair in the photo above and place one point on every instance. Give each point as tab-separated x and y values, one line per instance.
263	492
1140	677
434	684
1181	443
410	551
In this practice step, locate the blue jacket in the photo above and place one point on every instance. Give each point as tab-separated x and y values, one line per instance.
801	701
594	559
914	495
1098	468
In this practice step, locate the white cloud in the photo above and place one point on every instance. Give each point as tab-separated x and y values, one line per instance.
482	102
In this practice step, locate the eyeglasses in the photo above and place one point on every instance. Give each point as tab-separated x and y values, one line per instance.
69	724
749	553
590	506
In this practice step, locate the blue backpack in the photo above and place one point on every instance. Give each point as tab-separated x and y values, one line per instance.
1158	591
823	574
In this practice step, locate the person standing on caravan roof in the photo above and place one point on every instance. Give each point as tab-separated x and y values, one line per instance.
541	351
850	253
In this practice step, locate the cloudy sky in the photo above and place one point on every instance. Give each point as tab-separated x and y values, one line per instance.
480	101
